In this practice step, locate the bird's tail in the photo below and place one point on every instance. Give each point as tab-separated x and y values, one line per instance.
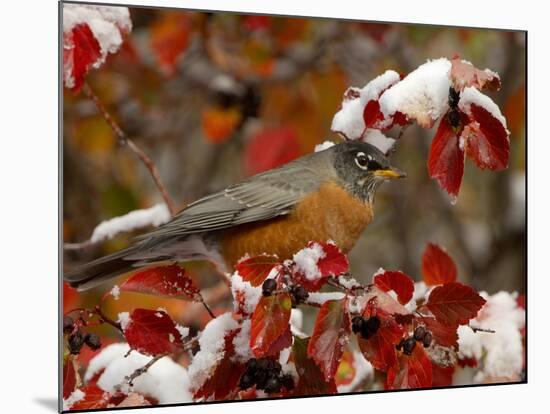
100	270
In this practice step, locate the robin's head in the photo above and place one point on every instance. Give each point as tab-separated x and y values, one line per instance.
362	168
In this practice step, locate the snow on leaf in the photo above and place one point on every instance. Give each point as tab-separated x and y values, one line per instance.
398	282
330	335
169	281
310	377
486	137
414	371
270	321
437	266
91	397
245	296
464	74
256	269
454	303
379	140
80	51
446	159
152	332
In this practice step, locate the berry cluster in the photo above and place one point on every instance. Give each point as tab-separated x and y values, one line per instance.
77	339
298	294
266	374
269	287
366	327
453	116
420	334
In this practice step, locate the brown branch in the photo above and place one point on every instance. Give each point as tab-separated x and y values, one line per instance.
142	370
123	139
106	319
475	329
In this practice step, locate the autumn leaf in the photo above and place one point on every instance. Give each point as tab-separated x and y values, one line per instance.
69	377
270	321
444	335
334	262
94	398
169	37
437	266
454	303
446	158
80	52
167	281
256	269
152	332
311	380
330	335
442	376
398	282
464	74
414	371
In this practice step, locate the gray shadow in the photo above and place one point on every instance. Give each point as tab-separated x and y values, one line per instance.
49	403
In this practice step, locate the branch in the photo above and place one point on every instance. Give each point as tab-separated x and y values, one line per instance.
123	139
142	370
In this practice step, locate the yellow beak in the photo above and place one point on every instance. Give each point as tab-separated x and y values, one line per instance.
390	173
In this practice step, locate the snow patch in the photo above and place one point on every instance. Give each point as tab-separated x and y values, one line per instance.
241	342
379	140
115	292
471	95
306	261
124	320
318	298
325	145
75	397
246	296
363	371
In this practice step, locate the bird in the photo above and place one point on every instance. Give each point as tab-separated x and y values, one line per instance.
323	196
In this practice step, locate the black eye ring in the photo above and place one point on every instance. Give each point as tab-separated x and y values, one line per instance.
362	160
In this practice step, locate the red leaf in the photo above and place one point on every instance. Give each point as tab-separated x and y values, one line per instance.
464	74
69	377
442	377
437	266
269	322
446	159
330	334
94	398
226	375
413	371
486	139
380	350
169	281
283	147
444	335
372	114
397	281
80	51
454	303
256	269
152	332
311	380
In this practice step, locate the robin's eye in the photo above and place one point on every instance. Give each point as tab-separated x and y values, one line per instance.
362	160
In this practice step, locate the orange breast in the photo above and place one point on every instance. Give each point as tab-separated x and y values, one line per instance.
329	214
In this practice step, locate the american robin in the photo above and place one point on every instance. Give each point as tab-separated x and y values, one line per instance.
327	195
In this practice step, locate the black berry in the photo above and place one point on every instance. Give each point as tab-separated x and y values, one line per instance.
427	340
300	293
399	346
252	364
261	377
366	333
287	381
273	385
93	341
454	97
76	341
408	345
246	381
357	324
373	323
454	118
68	324
419	333
269	287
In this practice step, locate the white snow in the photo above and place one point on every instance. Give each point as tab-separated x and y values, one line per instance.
241	342
319	298
249	295
379	140
165	380
211	341
183	330
106	23
499	354
124	320
349	119
306	261
115	292
155	216
363	371
325	145
421	95
296	323
471	95
75	397
421	291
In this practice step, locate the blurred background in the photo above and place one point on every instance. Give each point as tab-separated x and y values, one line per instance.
215	97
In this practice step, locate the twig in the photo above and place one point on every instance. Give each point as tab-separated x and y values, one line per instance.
78	246
123	139
142	370
106	319
207	307
475	329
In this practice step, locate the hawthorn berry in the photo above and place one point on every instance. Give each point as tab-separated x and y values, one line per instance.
427	340
76	340
269	287
93	341
298	294
246	381
68	324
454	97
252	364
454	118
419	333
408	345
373	323
357	324
273	385
287	381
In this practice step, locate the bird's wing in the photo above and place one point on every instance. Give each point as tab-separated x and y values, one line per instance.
261	197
